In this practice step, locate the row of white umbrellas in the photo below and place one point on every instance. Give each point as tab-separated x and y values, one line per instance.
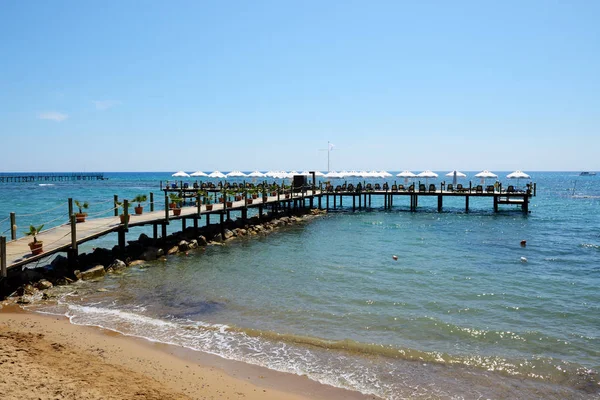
347	174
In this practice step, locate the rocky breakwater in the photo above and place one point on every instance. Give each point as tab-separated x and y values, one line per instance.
31	282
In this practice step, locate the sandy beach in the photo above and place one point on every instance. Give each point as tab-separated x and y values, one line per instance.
46	357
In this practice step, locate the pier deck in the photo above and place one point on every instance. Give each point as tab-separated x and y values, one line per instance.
59	239
66	237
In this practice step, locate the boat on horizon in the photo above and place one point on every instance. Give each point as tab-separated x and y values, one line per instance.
587	173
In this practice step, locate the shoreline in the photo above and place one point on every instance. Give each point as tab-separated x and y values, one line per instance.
45	353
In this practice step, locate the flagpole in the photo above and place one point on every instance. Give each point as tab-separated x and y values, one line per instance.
328	152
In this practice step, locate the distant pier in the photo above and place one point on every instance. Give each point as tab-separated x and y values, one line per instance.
51	177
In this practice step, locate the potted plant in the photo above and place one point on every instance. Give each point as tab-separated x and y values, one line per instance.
208	201
253	192
122	215
176	200
274	190
37	245
140	198
80	216
229	193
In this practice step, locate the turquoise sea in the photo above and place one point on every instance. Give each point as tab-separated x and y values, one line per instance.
465	311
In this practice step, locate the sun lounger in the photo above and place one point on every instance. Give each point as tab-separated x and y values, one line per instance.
431	188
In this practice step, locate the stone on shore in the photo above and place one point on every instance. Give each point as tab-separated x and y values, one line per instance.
150	254
173	250
184	246
92	273
43	284
117	265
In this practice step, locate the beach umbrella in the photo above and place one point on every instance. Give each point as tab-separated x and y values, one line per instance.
236	174
198	173
427	174
385	174
181	174
319	173
256	174
518	175
332	175
485	174
406	175
217	174
455	175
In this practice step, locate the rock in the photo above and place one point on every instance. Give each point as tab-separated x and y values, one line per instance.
151	253
23	300
43	284
77	274
183	246
202	241
136	262
117	265
228	234
193	244
92	273
160	253
218	238
145	240
173	250
61	281
259	228
32	275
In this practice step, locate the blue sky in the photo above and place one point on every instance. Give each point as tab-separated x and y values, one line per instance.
165	86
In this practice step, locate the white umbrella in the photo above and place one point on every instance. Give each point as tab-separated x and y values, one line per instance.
427	174
385	174
406	175
455	175
217	174
518	175
198	173
256	174
271	174
319	173
181	174
485	175
236	174
332	175
305	173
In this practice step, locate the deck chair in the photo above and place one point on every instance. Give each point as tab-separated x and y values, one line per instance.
450	187
431	188
377	186
479	189
510	189
394	188
489	189
401	188
422	188
411	188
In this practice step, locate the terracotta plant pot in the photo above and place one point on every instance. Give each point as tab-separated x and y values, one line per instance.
122	216
238	198
177	211
229	204
172	205
249	201
273	194
221	200
255	196
36	247
80	217
287	196
209	207
139	210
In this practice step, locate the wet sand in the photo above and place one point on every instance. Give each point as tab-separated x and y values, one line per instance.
46	357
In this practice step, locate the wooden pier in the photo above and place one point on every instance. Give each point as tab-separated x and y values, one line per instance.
15	254
51	177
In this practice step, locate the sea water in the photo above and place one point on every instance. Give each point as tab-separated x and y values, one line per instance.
464	312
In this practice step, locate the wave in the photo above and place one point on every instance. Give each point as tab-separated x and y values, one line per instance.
373	369
46	184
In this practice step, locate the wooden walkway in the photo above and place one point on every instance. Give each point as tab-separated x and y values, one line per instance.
67	237
61	239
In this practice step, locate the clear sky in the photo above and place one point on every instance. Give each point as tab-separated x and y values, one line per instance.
166	86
